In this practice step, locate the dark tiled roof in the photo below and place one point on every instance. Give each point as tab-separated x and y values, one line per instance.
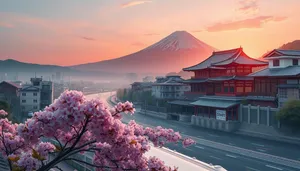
227	78
12	84
222	58
277	72
195	80
214	58
170	80
283	53
242	58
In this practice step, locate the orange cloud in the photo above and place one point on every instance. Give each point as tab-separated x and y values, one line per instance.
256	22
134	3
248	6
6	25
88	38
151	34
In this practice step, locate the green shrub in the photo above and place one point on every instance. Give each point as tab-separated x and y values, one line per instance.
290	113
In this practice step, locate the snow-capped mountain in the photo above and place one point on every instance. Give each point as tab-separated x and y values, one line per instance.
180	40
176	51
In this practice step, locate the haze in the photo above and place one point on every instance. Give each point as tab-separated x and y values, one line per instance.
74	32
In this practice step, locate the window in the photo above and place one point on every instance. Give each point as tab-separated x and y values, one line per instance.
226	89
231	89
295	61
248	89
23	94
35	107
23	101
276	62
34	94
282	93
218	88
34	101
240	89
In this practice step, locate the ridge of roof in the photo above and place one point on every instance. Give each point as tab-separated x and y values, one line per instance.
234	51
12	84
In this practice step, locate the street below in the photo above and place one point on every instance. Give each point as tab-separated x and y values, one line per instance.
221	155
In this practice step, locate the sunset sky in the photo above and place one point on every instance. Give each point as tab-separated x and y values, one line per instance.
80	31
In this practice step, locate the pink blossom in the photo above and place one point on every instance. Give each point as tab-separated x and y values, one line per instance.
3	113
187	142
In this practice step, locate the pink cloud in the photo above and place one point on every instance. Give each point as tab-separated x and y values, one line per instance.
256	22
6	25
151	34
248	6
134	3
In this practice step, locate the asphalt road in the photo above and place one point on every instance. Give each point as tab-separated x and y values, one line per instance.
220	155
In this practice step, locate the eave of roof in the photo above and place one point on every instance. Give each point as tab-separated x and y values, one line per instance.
277	72
207	62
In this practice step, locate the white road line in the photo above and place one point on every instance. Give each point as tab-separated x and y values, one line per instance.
273	167
260	145
199	147
262	150
250	168
189	149
199	136
230	143
232	156
215	157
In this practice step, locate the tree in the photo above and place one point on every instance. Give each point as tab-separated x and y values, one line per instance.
289	114
83	126
5	107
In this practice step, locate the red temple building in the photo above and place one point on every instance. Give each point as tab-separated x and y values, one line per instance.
221	83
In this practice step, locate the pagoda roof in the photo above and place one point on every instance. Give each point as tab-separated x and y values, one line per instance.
277	72
222	58
241	59
222	78
278	52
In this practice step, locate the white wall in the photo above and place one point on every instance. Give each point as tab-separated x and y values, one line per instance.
157	91
282	63
29	105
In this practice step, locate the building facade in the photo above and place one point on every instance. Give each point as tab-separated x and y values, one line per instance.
280	81
10	93
36	96
170	87
222	82
141	86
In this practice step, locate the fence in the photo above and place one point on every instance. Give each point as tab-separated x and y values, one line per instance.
258	115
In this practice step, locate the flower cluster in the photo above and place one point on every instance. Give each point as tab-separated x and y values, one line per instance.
79	125
3	113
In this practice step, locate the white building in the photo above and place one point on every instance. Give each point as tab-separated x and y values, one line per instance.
170	87
30	98
36	96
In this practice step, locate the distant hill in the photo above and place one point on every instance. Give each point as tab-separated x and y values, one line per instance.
11	65
294	45
176	51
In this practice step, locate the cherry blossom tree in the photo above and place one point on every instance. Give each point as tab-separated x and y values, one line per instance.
78	126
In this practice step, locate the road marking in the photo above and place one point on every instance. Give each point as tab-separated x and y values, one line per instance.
230	143
199	136
199	147
250	168
189	149
232	156
260	145
212	135
215	157
262	150
273	167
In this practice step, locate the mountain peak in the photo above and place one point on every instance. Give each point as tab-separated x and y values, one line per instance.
180	40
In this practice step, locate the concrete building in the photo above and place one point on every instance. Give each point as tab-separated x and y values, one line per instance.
36	96
9	92
279	82
141	86
170	87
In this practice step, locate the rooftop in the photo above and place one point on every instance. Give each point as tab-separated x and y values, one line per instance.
277	72
286	53
223	58
12	84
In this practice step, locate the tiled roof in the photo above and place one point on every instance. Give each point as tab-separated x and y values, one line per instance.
227	78
275	72
30	88
241	58
181	102
170	80
283	53
289	52
12	84
195	80
214	58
